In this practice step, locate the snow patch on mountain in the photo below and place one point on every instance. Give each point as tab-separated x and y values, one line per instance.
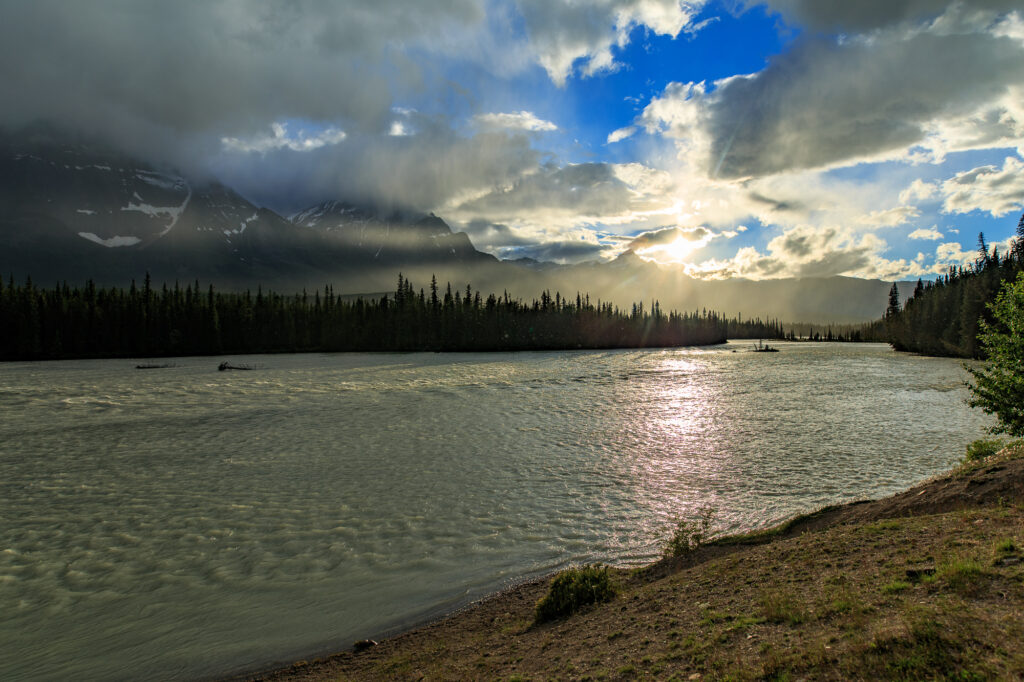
112	242
172	212
159	179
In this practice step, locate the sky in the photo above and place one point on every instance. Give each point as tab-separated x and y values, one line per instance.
758	139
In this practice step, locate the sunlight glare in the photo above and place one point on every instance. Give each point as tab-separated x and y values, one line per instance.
674	252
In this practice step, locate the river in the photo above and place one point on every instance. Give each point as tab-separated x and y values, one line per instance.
183	522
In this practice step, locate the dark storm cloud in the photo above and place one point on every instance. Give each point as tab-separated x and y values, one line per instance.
775	204
824	102
864	15
420	172
865	95
148	72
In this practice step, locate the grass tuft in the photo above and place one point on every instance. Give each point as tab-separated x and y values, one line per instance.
895	587
965	576
779	607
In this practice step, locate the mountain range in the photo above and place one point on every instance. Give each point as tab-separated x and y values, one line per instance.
73	211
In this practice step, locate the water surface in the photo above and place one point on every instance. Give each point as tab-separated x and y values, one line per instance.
185	522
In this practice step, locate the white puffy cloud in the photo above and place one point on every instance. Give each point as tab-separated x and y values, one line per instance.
889	217
991	189
952	253
621	134
518	120
925	233
918	190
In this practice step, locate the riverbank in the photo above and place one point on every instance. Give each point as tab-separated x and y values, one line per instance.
929	582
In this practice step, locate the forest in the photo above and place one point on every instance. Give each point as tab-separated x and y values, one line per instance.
147	321
942	317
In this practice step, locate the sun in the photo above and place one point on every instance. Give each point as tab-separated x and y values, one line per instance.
673	252
678	250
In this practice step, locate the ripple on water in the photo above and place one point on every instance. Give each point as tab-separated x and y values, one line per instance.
185	524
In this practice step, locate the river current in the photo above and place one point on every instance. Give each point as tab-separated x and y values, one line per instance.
183	522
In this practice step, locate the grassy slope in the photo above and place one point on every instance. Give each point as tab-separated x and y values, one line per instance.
927	584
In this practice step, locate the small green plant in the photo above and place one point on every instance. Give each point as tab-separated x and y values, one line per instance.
982	448
1007	546
896	586
573	589
782	608
966	576
689	534
882	526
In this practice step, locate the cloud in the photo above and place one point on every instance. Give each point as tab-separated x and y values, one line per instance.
519	120
170	80
994	190
890	217
923	233
828	103
560	251
147	73
952	253
807	251
918	190
669	235
279	139
494	236
868	15
571	195
435	168
621	134
398	129
563	32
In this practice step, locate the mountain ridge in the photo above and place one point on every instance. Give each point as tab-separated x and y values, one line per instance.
76	211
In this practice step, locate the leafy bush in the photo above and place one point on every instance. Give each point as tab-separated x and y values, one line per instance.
982	448
998	386
689	534
571	590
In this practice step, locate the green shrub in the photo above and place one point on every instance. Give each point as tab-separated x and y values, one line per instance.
998	386
689	534
982	448
573	589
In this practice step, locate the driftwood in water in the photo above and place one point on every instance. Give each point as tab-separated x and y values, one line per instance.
227	365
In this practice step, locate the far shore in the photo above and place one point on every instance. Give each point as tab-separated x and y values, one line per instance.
926	583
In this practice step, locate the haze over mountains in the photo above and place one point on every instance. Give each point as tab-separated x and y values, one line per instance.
73	211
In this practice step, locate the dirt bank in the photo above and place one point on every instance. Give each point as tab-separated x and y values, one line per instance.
927	583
